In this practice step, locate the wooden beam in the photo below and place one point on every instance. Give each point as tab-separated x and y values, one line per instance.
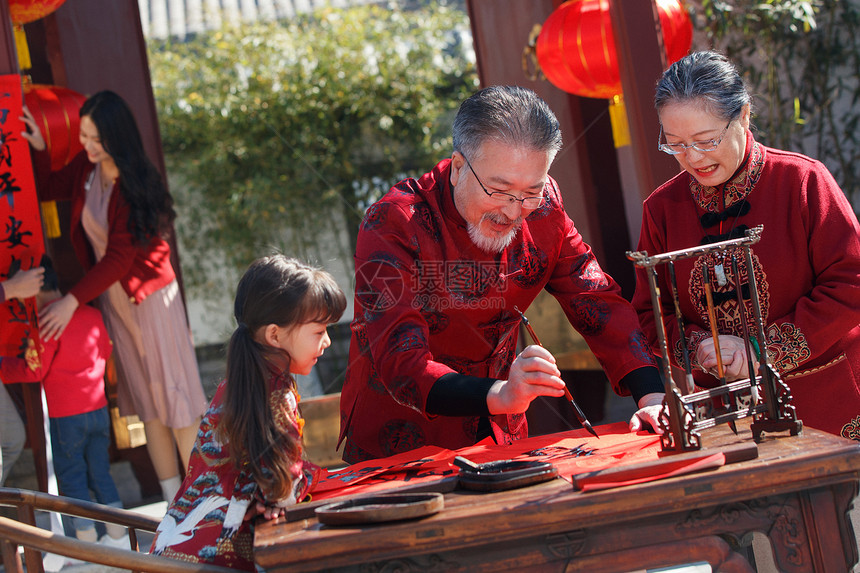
641	62
8	54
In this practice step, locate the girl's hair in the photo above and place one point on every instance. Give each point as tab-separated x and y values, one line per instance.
274	290
509	114
706	76
139	181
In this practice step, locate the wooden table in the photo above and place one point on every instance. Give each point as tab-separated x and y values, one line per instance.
797	492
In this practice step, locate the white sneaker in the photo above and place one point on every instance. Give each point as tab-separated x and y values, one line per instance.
53	562
119	542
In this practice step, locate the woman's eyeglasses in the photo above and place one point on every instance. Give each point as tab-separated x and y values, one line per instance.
701	146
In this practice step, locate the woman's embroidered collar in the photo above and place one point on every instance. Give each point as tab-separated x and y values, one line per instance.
735	189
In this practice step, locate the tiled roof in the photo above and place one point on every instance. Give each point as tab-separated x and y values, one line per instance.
180	18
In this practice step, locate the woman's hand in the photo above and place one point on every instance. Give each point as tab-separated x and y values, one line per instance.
733	352
32	134
648	414
533	373
24	284
54	318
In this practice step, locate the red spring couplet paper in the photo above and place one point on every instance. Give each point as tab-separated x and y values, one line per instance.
572	453
641	474
21	241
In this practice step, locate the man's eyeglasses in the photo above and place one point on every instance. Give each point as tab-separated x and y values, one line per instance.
501	197
701	146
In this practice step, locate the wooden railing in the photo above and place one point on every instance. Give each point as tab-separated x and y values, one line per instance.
24	533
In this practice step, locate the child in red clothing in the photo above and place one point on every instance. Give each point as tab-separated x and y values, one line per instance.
72	370
248	454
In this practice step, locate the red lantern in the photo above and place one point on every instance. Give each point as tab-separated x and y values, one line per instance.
57	113
677	29
24	11
576	45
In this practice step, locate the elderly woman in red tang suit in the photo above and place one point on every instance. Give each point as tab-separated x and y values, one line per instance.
806	265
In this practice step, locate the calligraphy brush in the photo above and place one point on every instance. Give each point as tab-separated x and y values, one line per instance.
742	315
712	317
688	370
580	415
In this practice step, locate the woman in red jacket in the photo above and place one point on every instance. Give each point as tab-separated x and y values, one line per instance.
806	265
120	213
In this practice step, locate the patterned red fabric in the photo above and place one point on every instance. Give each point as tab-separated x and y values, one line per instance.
807	268
21	240
429	302
206	522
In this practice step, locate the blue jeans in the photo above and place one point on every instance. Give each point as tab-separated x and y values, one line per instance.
80	446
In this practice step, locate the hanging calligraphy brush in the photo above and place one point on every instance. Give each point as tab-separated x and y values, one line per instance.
688	369
742	314
713	320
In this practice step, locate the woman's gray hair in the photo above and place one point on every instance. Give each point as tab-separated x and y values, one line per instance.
511	115
707	76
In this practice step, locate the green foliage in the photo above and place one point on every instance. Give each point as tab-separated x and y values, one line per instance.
282	133
802	62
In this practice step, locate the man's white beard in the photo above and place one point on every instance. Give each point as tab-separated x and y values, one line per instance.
495	244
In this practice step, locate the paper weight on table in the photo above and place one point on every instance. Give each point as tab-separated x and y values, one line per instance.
505	474
380	508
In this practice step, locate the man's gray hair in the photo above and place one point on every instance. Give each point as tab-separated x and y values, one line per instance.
510	115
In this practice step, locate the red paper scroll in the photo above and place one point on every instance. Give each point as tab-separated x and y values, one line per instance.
21	241
572	453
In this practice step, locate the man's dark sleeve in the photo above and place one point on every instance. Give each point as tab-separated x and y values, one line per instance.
460	395
641	381
456	394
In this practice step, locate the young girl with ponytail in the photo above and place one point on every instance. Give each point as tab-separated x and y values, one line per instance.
248	454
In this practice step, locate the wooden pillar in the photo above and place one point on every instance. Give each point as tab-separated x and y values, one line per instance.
641	61
35	426
8	57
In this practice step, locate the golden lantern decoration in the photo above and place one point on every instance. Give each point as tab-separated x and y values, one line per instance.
23	12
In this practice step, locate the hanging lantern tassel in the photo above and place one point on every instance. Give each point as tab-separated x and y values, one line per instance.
50	220
21	47
618	118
